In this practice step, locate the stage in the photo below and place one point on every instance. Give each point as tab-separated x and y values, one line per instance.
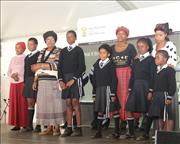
9	137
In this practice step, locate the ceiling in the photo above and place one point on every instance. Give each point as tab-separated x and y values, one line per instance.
26	18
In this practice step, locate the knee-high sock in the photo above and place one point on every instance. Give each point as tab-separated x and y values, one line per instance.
99	126
131	125
148	125
31	115
116	122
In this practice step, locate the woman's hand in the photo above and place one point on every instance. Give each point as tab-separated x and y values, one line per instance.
15	76
62	85
70	83
36	67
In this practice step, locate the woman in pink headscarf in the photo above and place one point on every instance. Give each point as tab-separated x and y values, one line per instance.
17	102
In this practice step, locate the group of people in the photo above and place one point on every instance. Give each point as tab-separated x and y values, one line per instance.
126	84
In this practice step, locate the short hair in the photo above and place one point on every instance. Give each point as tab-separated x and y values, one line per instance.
147	41
73	32
163	53
33	39
106	47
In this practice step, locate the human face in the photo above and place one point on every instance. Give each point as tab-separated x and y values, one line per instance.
19	49
31	45
50	41
121	36
160	36
159	59
142	47
103	54
70	37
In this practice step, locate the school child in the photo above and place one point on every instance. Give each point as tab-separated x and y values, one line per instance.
164	90
141	84
18	107
104	83
70	70
28	92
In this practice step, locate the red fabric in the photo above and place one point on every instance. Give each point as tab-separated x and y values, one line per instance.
123	76
124	29
22	44
18	107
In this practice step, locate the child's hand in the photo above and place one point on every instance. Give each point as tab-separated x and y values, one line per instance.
168	102
113	98
94	99
34	86
62	85
70	83
149	97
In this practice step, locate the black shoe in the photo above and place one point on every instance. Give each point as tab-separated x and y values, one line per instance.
97	135
115	135
77	132
68	131
37	129
15	128
142	138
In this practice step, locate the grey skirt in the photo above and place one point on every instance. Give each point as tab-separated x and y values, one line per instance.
28	91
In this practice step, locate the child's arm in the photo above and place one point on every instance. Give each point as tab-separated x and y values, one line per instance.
131	81
35	83
93	82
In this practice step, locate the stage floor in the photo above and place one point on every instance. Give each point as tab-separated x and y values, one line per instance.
9	137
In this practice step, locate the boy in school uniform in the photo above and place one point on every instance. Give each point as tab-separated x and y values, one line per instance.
70	71
164	90
104	83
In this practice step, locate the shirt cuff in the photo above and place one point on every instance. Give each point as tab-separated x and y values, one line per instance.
74	78
169	97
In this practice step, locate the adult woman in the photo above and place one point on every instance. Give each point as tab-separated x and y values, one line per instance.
49	103
123	54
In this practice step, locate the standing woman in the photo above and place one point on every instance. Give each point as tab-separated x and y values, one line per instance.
28	92
49	103
17	102
123	55
163	43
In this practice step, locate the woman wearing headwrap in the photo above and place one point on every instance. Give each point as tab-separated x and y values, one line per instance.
123	55
49	103
163	43
17	102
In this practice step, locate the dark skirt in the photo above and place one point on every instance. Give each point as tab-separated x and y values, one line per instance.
137	100
103	101
27	90
158	109
75	91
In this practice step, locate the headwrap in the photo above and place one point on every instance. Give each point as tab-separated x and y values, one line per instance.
22	44
50	33
124	29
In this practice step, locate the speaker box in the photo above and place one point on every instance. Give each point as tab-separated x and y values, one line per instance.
164	137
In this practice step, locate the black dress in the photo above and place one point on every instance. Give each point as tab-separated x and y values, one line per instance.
141	83
29	75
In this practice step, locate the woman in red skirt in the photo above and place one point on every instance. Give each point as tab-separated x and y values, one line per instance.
17	103
123	55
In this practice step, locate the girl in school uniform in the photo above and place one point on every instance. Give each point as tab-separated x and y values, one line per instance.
28	92
141	83
104	83
70	71
164	90
18	114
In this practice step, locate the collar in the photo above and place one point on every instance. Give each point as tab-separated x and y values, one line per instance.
142	57
34	52
163	67
102	63
71	47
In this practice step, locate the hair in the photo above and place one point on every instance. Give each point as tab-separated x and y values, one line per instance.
146	41
73	32
107	48
33	39
163	53
48	34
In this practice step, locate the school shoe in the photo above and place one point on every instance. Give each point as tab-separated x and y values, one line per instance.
37	129
77	132
127	136
143	137
97	135
68	131
15	128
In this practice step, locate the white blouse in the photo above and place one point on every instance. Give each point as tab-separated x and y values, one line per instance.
171	49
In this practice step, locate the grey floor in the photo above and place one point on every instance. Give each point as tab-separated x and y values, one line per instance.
9	137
